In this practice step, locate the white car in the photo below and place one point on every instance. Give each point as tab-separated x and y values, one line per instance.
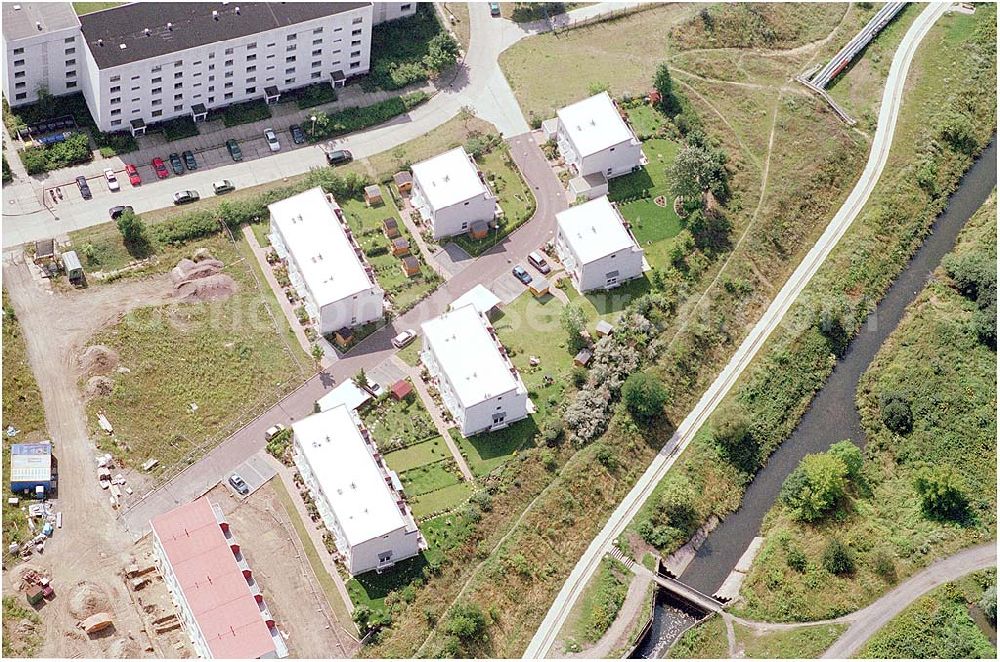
274	431
272	140
112	180
375	389
403	339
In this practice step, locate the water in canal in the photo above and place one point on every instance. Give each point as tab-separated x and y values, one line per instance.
671	618
832	415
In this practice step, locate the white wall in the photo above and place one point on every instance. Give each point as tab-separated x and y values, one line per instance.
594	275
479	417
458	218
364	556
364	307
614	161
44	65
390	11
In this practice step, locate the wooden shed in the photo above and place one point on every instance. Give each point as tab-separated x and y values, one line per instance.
403	181
583	357
344	336
373	196
479	230
411	266
401	389
390	227
400	246
538	287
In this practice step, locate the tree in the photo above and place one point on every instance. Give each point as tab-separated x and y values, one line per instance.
988	603
442	52
467	622
132	229
663	84
940	493
696	170
850	455
644	395
896	412
838	558
677	505
574	321
361	379
732	434
815	487
795	559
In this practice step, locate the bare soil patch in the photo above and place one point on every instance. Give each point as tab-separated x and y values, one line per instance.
98	360
98	385
195	282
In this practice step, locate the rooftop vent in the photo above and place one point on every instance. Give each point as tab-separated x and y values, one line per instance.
122	46
170	26
146	32
17	7
38	24
215	15
237	10
100	42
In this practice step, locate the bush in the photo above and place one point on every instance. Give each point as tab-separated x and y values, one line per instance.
988	603
316	94
896	413
72	151
940	493
732	434
113	144
376	250
884	567
574	321
795	559
815	487
179	128
838	558
466	622
245	113
850	455
553	430
132	229
644	395
186	227
7	174
409	50
355	119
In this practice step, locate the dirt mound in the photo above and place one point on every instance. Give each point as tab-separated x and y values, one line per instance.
189	270
98	360
210	288
86	600
98	385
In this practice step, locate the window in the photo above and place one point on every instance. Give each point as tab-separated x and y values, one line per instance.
251	46
19	74
229	95
355	53
70	51
251	90
252	79
159	102
178	86
211	88
179	74
135	111
229	74
289	81
20	86
292	37
116	78
270	56
135	100
18	51
157	113
318	51
156	80
317	74
157	68
116	111
115	122
115	100
252	58
271	45
355	42
290	70
211	56
229	85
290	58
116	88
229	63
197	74
317	42
178	108
318	31
211	99
71	73
355	65
252	69
156	90
357	20
229	51
198	63
178	97
18	63
384	556
70	84
211	67
405	7
317	63
71	62
69	40
134	88
210	79
179	63
20	95
290	48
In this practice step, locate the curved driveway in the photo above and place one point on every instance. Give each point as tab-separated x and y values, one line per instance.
547	632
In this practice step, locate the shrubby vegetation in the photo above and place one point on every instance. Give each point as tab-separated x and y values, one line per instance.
349	120
242	113
749	25
410	50
7	174
72	151
179	128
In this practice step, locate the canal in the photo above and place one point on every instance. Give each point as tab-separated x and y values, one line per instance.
833	416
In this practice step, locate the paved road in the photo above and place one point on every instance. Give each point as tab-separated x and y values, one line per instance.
866	622
629	507
376	348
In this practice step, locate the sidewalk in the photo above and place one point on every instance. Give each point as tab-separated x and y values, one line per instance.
432	409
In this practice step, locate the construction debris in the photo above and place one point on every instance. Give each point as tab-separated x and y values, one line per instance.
96	623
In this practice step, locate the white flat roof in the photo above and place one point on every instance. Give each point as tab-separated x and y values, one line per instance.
594	124
348	475
348	394
448	178
594	229
479	296
468	354
313	235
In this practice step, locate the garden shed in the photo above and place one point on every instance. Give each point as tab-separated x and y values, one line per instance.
391	228
74	270
400	246
373	196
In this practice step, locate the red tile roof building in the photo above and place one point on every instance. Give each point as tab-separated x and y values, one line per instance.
212	584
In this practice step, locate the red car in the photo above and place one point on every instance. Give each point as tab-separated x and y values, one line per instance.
160	168
133	175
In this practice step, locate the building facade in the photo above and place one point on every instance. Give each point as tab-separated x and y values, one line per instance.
450	193
470	367
147	62
593	138
358	497
325	264
217	597
596	247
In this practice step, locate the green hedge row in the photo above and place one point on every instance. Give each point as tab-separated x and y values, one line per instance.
350	120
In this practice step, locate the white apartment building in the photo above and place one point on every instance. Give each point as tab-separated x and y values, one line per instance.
477	381
42	48
147	62
451	194
325	264
596	247
594	139
359	498
217	597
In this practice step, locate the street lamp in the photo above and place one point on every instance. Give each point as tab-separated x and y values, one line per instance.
313	129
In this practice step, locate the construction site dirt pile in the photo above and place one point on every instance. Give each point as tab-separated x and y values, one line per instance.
98	360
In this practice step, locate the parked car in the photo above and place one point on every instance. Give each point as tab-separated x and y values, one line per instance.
403	339
494	9
521	274
339	157
234	149
189	160
376	389
184	197
239	484
161	168
112	179
81	183
274	431
272	140
223	186
298	135
133	174
118	210
176	164
537	260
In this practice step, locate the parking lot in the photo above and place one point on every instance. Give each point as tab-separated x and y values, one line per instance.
256	470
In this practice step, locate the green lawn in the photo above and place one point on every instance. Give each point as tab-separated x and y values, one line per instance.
707	640
516	201
425	452
607	305
485	452
366	223
645	120
445	498
601	600
411	353
652	179
806	642
427	478
82	8
399	423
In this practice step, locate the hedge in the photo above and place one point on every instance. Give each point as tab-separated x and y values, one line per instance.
178	128
245	113
7	174
316	94
51	107
73	150
350	120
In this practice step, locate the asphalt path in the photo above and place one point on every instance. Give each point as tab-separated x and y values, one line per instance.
548	631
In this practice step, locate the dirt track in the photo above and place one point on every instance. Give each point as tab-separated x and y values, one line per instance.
91	546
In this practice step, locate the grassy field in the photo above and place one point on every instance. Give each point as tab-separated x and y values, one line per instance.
599	604
705	640
948	377
82	8
399	424
425	452
607	305
23	409
225	357
440	500
25	642
366	223
763	25
429	477
806	642
938	625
